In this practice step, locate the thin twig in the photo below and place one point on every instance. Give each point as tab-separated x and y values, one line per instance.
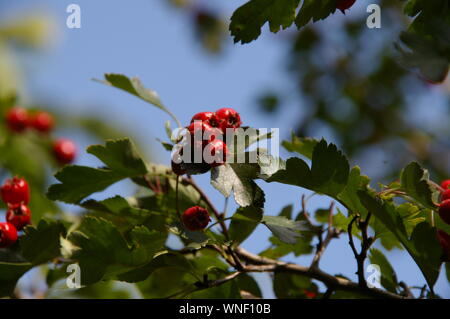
177	199
406	290
323	244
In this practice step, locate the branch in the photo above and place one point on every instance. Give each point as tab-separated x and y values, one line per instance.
264	264
365	245
323	244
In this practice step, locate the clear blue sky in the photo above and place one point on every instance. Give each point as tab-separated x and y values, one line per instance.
151	40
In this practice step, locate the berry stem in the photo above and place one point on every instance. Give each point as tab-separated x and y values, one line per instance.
177	199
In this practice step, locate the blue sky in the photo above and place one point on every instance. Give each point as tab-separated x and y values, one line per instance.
151	40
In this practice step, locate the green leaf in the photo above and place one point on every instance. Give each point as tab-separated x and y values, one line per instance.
280	249
302	145
349	196
135	87
10	273
287	286
247	21
125	212
239	179
248	283
314	10
414	181
388	276
120	156
78	182
177	262
103	251
42	243
340	221
244	137
285	229
423	244
244	222
328	174
269	165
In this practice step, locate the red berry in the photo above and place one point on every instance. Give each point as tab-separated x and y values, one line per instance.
195	218
176	168
444	240
228	118
208	117
445	195
208	133
216	153
444	211
19	215
310	294
17	119
64	151
344	4
15	191
42	122
446	184
8	235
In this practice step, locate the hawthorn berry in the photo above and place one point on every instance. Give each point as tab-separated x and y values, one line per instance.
228	118
310	294
64	151
218	152
445	195
15	191
344	4
444	240
444	211
446	184
18	215
17	119
195	218
208	117
177	169
8	235
42	122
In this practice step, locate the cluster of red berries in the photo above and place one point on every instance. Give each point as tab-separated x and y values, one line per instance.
16	195
344	4
19	120
195	218
206	132
444	213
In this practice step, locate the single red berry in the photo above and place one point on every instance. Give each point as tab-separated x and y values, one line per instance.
205	131
310	294
42	122
15	191
176	168
216	153
64	151
18	215
444	211
17	119
446	184
445	195
208	117
444	240
228	118
344	4
8	235
195	218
